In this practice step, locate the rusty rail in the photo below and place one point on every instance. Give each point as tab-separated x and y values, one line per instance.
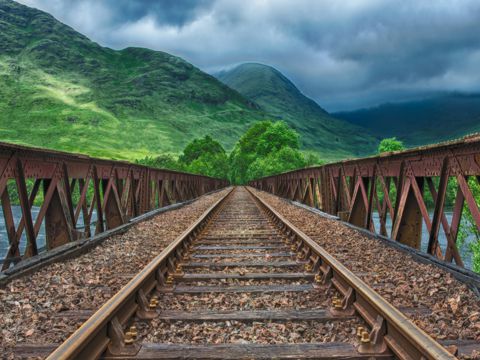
104	330
390	329
74	188
396	186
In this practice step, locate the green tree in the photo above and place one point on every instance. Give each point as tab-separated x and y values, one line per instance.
163	161
214	165
266	148
312	159
277	136
248	142
205	156
469	230
390	144
199	147
387	145
276	162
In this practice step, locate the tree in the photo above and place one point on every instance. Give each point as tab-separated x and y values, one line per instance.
469	234
387	145
163	161
312	159
390	144
248	142
198	147
214	165
266	148
205	156
275	137
276	162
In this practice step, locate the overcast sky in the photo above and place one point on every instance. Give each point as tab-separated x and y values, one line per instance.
344	54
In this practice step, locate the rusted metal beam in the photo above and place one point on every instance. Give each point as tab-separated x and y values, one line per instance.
113	190
355	189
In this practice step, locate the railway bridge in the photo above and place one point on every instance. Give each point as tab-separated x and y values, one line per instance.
367	258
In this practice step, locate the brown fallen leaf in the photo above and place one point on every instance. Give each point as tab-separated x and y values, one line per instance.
453	302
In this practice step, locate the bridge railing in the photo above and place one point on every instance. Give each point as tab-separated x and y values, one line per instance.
63	197
400	195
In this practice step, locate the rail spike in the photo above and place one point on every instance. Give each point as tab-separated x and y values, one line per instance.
117	346
374	342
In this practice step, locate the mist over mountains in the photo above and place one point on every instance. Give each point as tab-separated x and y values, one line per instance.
422	121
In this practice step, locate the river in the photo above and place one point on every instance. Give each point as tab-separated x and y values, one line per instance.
466	256
41	245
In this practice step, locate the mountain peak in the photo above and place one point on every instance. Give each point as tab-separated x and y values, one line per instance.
247	76
278	96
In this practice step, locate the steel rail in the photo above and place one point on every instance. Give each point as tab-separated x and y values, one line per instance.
390	328
101	330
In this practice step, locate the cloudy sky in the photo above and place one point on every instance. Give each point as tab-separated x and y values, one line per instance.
344	54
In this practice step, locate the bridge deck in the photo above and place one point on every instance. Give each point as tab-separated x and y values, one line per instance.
45	307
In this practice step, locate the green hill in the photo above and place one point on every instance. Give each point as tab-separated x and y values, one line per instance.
422	121
277	95
60	90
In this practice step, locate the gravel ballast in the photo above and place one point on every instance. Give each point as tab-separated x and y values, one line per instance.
245	301
258	332
31	307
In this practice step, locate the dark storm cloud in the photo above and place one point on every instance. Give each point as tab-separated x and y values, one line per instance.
111	13
343	54
170	12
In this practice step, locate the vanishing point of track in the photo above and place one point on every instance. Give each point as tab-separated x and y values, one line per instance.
241	245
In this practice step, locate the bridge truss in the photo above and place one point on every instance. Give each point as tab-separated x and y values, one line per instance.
397	186
75	196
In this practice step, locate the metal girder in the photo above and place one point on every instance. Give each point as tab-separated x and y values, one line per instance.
395	185
77	186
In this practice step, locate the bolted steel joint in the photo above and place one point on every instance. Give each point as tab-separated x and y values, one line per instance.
365	337
133	331
128	339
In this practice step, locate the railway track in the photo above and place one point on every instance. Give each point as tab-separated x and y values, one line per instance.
245	283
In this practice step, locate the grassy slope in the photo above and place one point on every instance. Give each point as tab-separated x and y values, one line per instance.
331	137
60	90
423	121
